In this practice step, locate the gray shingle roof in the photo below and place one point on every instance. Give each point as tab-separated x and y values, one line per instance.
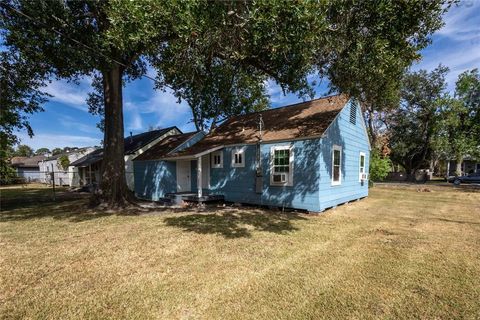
132	144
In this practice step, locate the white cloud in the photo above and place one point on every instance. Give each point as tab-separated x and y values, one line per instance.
50	140
461	22
135	121
69	122
70	94
162	109
457	44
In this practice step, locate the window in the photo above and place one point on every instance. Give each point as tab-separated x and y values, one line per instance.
362	174
353	113
337	165
217	159
281	166
238	158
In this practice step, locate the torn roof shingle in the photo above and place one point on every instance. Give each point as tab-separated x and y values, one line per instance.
301	120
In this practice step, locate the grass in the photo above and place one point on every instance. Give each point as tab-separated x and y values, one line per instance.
398	254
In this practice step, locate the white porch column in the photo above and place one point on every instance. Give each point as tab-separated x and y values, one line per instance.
199	176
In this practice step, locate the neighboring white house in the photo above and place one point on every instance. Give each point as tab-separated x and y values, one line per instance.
68	176
89	166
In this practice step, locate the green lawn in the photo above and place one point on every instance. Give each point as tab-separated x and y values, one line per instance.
398	254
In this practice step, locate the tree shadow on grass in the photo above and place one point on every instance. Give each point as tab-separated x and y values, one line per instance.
67	206
237	224
68	209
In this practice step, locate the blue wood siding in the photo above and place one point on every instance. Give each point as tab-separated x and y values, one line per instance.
353	140
153	179
30	174
238	184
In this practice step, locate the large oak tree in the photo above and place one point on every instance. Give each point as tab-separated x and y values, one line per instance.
458	128
362	47
412	127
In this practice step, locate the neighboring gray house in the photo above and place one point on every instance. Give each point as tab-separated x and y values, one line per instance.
89	166
27	167
312	155
63	176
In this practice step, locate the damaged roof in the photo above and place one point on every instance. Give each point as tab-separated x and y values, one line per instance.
302	120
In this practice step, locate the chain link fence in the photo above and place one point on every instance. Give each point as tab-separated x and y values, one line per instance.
60	178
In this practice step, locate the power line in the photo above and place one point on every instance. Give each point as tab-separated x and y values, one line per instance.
76	41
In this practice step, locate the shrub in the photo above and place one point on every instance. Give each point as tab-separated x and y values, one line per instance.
379	166
64	162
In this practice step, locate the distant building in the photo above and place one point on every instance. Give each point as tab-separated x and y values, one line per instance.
27	167
469	165
68	176
89	166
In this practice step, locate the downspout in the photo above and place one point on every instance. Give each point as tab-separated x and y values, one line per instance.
258	156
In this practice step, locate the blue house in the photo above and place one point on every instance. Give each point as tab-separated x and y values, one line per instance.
312	156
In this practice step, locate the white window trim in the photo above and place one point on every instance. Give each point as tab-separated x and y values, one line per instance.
238	151
339	182
362	154
289	181
217	153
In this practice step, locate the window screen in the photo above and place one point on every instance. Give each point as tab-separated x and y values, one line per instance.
281	161
336	165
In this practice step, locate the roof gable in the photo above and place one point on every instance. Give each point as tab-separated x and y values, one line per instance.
165	146
132	144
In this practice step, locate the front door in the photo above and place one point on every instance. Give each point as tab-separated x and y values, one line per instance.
183	176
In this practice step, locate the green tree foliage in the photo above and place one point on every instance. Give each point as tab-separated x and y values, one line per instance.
57	151
222	52
7	173
380	166
64	162
215	92
42	151
20	94
458	130
23	151
412	126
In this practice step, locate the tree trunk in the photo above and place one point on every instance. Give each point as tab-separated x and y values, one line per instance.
113	186
458	168
371	127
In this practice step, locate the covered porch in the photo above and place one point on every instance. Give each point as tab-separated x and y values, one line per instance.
193	180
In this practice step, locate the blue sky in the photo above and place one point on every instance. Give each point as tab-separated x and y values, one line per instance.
66	121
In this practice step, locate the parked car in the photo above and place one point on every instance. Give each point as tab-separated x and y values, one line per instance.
470	178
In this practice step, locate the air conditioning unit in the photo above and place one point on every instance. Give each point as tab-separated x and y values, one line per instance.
364	176
280	177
